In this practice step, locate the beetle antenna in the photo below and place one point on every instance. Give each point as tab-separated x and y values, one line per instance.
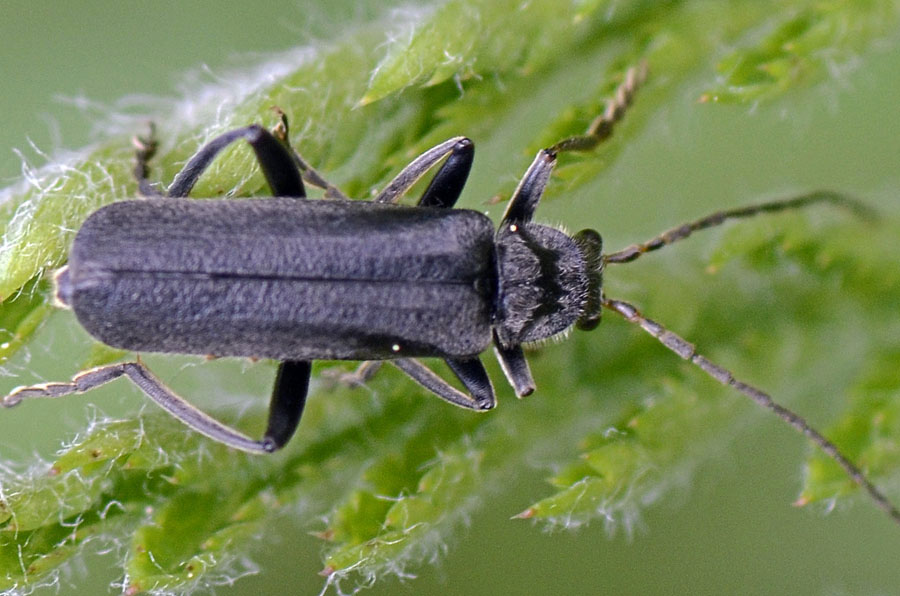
602	127
630	253
688	351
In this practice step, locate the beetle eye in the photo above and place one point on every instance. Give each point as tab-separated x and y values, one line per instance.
589	322
591	245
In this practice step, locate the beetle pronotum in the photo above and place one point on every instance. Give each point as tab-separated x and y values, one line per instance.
298	280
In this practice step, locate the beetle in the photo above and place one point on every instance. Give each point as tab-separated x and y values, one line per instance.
297	280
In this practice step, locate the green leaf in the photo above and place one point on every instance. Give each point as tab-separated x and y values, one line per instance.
629	464
851	258
868	430
21	315
798	45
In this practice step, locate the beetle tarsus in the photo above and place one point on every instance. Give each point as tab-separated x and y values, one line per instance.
145	148
357	378
141	376
309	174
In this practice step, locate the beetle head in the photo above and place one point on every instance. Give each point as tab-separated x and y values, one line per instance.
547	282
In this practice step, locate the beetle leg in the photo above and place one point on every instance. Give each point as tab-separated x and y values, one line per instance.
309	174
455	177
288	399
359	377
312	177
473	375
471	372
141	376
444	189
515	367
276	161
145	149
528	194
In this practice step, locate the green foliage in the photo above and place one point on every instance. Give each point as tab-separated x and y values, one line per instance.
814	37
21	314
854	260
394	476
626	466
868	430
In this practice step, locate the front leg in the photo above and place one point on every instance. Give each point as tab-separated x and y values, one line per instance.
448	182
528	194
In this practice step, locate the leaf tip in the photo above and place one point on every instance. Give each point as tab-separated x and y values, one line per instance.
327	535
527	514
802	501
365	100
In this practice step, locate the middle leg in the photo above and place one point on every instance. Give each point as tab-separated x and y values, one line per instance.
447	184
470	371
443	191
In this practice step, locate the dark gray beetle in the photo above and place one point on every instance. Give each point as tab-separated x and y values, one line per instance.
298	280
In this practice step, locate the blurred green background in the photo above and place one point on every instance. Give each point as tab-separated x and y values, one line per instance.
732	528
